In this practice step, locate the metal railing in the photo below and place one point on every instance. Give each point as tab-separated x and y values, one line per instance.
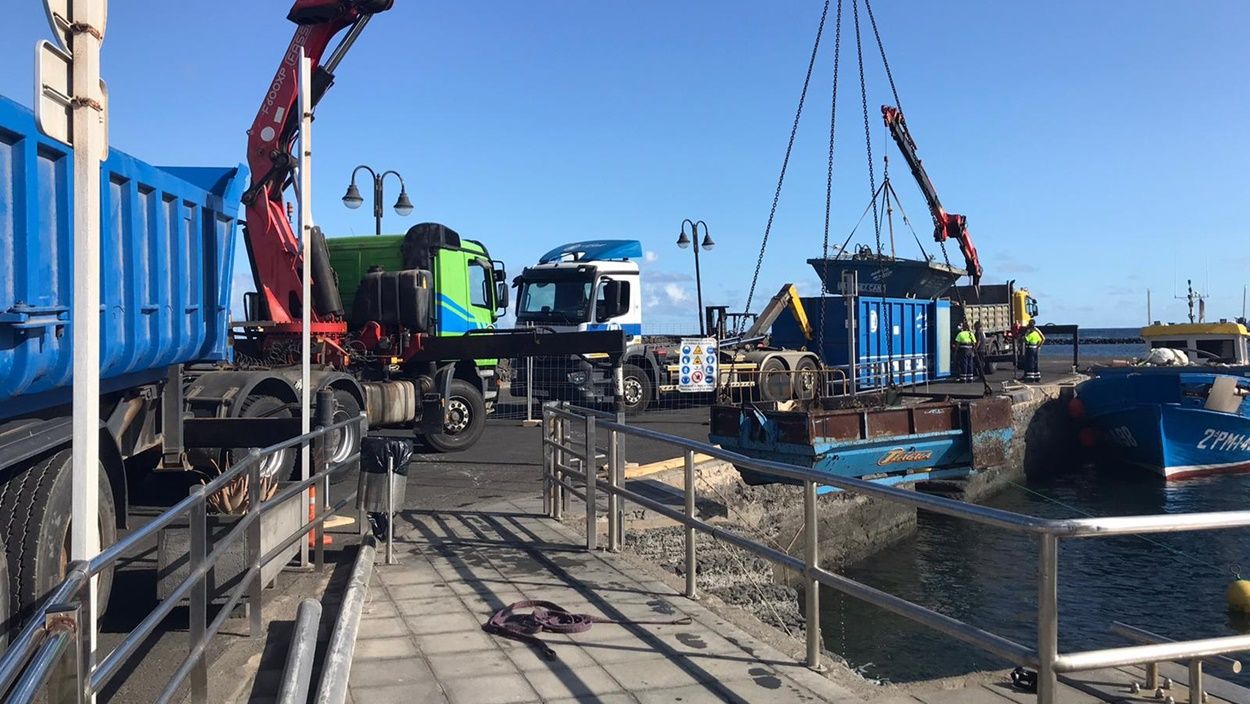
567	458
55	629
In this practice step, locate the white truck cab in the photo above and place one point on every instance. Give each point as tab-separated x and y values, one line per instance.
592	285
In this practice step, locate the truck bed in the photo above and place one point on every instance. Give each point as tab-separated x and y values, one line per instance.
167	251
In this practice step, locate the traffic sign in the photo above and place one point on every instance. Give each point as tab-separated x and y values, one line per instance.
698	365
54	90
61	19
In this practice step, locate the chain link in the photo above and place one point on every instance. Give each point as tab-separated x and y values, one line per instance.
833	123
785	163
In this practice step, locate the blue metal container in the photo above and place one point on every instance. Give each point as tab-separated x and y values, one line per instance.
167	252
898	332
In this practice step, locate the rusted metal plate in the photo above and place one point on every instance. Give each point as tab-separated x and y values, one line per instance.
842	425
989	413
932	418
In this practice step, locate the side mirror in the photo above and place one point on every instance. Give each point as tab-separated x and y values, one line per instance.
501	294
497	267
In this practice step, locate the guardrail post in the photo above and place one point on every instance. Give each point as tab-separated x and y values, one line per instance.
619	467
559	459
1195	681
254	589
199	594
1152	675
66	677
691	558
811	562
390	510
590	467
545	479
614	541
320	459
1047	618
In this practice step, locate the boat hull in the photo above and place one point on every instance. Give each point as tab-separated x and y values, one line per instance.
892	278
1155	422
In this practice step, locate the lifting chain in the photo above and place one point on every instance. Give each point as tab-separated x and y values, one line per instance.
785	163
833	123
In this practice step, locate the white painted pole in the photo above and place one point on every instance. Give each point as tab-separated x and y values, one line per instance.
305	232
88	136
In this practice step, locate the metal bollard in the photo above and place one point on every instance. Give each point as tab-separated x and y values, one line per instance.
390	510
320	462
811	557
256	588
1047	619
199	594
614	500
691	561
1196	685
592	475
557	492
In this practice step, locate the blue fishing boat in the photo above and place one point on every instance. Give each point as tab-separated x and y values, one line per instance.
1175	421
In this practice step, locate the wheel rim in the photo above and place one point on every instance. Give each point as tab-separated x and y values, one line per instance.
272	462
344	440
459	416
632	391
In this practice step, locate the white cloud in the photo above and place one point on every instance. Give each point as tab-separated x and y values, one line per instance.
676	294
650	256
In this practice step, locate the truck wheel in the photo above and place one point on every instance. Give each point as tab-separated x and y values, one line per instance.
346	442
466	419
36	508
774	382
806	379
635	390
279	464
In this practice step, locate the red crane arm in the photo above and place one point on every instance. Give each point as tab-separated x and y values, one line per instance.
272	245
945	225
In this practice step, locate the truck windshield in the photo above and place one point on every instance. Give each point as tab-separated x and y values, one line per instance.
555	301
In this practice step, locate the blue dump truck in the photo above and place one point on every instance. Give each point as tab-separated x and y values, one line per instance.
167	250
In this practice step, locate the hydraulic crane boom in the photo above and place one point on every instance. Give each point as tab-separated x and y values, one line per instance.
272	245
945	225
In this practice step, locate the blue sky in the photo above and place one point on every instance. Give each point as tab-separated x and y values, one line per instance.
1098	149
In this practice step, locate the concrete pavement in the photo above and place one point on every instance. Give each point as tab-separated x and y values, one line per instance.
421	641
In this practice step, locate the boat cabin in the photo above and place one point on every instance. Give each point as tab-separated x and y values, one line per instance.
1224	342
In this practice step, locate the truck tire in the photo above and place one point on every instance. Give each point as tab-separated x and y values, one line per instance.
774	383
35	509
807	382
346	442
466	419
281	464
635	390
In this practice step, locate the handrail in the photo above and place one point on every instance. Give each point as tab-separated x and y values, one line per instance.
26	663
558	445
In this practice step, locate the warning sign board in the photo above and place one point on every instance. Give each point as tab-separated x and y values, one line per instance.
698	365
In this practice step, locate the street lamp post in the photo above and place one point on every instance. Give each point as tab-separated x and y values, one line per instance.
684	241
353	199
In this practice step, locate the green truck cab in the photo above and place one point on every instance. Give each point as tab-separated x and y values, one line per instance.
468	292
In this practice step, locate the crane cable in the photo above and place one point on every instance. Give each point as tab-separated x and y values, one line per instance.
833	123
785	163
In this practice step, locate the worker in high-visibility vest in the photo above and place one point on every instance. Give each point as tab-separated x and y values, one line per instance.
1033	339
965	356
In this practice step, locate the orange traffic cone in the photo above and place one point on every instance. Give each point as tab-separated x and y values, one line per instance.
312	515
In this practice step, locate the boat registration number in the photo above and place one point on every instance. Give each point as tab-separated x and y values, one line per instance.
1223	440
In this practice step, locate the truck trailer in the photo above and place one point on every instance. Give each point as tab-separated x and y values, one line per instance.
1003	311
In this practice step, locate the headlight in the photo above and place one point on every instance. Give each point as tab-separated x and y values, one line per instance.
577	378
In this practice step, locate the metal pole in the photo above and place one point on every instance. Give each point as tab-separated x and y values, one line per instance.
305	230
297	675
1152	675
325	418
254	590
199	594
390	510
1195	681
810	585
558	459
613	499
698	280
618	384
1047	619
90	142
691	562
589	466
547	457
377	205
529	389
850	285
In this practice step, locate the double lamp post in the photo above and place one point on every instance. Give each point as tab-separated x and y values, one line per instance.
684	241
353	199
